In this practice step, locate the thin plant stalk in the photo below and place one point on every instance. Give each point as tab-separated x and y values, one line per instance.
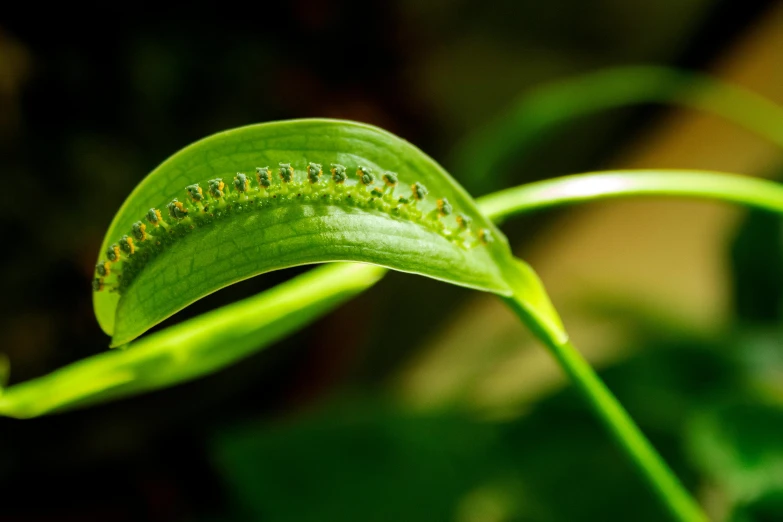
661	479
605	185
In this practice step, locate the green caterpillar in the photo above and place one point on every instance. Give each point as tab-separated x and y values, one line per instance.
219	200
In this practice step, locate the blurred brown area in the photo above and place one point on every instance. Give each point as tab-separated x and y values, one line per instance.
457	415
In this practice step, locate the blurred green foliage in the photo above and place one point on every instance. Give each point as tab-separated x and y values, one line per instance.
360	460
88	108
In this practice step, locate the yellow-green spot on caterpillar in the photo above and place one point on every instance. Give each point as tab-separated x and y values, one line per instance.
113	253
286	172
103	268
216	187
444	207
241	183
154	217
139	230
390	179
365	175
126	245
485	236
177	210
338	173
314	172
464	221
194	192
419	191
263	177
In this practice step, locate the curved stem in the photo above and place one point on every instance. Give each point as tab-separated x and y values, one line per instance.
625	431
616	419
530	302
587	187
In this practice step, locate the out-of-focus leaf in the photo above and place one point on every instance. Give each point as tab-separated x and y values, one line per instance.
740	447
757	268
482	154
358	461
193	348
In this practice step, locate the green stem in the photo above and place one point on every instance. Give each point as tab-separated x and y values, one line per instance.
583	188
542	320
626	433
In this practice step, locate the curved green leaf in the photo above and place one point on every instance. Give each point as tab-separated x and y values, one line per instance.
224	240
535	113
193	348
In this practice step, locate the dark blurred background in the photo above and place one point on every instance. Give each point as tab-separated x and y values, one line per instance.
436	407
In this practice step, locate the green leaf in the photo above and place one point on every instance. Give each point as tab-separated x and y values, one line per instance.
737	445
756	258
290	224
194	348
535	114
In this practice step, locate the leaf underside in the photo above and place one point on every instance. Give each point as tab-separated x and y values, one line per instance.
260	241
